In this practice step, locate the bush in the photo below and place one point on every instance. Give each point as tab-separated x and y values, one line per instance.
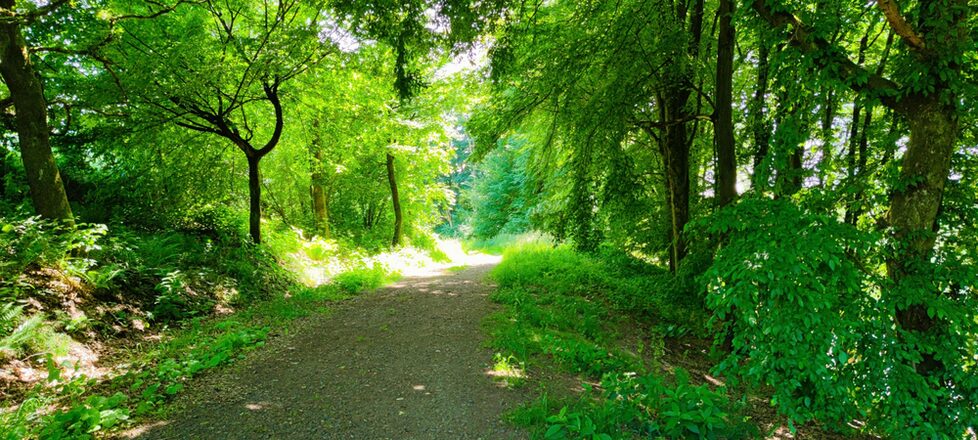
631	406
364	278
810	315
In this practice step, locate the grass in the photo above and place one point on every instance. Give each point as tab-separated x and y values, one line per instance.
158	372
203	303
501	243
595	318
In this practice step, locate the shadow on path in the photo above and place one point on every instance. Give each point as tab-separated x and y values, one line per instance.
402	362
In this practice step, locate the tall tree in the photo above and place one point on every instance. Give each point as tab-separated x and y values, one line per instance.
223	79
675	111
927	98
31	114
726	145
759	121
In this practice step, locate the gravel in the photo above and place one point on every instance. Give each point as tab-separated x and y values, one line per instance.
402	362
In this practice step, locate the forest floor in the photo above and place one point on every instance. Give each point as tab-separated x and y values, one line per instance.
404	361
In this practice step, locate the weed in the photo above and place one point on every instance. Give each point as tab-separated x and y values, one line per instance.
571	309
364	278
508	370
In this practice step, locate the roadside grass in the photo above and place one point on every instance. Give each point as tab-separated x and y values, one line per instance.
152	374
595	318
149	312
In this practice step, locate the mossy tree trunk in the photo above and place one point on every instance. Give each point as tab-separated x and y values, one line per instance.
31	119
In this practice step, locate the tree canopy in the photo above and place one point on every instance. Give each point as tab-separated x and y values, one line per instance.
805	173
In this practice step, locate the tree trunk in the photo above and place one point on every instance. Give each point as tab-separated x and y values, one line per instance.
675	158
254	191
790	173
398	218
914	209
759	126
854	136
828	116
726	147
320	208
46	187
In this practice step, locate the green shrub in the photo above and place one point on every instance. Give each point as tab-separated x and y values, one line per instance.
632	406
364	278
811	319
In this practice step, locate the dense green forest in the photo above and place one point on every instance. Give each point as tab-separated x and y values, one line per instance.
725	217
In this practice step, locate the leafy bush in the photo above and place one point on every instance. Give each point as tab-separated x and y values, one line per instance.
364	278
810	314
97	413
631	406
627	284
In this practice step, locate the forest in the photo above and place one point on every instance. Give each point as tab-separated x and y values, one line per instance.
550	219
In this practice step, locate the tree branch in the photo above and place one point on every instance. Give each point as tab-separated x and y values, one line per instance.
828	56
271	92
899	24
11	16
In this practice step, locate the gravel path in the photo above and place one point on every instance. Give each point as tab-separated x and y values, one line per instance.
402	362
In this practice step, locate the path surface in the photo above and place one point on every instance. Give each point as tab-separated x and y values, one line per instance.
402	362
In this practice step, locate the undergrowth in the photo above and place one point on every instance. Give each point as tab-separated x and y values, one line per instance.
208	299
580	313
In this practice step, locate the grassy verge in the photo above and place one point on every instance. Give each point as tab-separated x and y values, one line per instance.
605	320
112	324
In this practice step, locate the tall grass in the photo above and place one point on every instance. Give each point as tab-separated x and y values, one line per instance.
601	317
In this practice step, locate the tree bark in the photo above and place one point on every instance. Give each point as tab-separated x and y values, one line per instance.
395	197
726	147
46	187
914	209
320	207
675	158
254	192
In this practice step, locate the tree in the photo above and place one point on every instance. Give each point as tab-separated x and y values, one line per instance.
927	97
216	80
726	145
27	97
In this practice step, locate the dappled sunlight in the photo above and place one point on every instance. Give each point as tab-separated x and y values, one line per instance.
143	429
507	371
257	406
317	261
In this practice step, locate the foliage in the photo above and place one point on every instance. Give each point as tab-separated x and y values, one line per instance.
796	294
633	406
561	306
500	196
365	278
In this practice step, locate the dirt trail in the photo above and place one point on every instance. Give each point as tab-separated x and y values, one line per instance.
401	362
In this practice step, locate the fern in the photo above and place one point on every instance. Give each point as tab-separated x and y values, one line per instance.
9	316
13	343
